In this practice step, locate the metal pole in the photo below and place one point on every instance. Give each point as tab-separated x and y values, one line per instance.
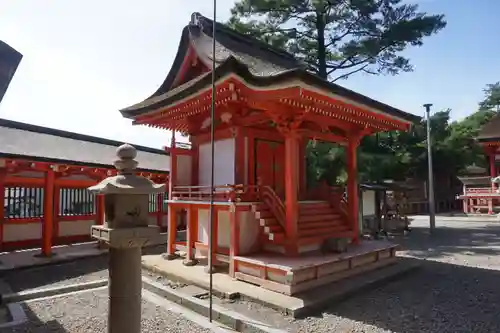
432	204
212	167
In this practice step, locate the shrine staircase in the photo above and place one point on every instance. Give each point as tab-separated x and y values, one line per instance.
318	220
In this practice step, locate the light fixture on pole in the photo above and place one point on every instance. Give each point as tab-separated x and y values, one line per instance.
432	204
211	231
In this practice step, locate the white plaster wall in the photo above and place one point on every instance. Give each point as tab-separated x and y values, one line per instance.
75	228
203	215
368	203
22	231
184	167
223	231
224	155
249	232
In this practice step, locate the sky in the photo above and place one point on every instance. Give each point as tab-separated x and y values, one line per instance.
85	60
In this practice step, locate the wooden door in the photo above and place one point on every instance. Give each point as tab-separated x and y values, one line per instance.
279	169
270	165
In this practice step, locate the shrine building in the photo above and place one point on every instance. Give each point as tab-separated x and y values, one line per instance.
272	229
480	194
44	176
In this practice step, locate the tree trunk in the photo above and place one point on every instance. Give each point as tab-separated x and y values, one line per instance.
320	26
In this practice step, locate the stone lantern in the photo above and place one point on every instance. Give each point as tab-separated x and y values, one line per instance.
125	231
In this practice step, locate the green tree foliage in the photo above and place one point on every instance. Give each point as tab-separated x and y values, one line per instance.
492	97
400	155
337	38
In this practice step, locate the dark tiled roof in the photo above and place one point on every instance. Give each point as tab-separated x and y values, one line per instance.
254	61
491	130
484	180
47	144
9	61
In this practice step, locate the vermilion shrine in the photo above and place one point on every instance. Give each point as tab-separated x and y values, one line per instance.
480	194
271	228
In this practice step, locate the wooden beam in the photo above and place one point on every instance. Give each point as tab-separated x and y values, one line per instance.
327	137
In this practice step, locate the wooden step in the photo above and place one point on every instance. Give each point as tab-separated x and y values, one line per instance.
262	214
268	222
259	207
320	224
320	211
277	237
307	207
306	240
322	231
318	217
273	228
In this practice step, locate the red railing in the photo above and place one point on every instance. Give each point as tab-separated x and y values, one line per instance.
269	197
221	193
476	190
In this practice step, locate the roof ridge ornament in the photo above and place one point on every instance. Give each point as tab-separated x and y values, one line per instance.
195	19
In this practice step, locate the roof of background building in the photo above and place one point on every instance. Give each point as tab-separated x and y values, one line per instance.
491	130
38	143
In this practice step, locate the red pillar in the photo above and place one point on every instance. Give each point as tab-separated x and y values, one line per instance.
48	214
291	185
303	165
234	247
3	173
57	199
172	232
191	229
172	177
215	234
352	187
493	171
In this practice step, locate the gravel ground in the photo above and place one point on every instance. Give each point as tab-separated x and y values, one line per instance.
87	313
84	270
456	290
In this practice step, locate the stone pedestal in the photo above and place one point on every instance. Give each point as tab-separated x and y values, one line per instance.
125	231
125	287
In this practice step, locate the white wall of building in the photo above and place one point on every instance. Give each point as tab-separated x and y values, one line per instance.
223	162
184	167
249	230
368	203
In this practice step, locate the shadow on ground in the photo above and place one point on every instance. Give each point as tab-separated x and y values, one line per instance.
35	325
473	239
37	277
439	297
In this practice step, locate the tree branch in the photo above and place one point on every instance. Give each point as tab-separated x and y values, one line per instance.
343	76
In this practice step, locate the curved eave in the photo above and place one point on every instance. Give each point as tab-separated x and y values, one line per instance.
182	51
233	66
491	140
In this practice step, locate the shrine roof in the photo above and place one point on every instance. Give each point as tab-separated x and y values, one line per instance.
37	143
479	180
491	130
254	62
